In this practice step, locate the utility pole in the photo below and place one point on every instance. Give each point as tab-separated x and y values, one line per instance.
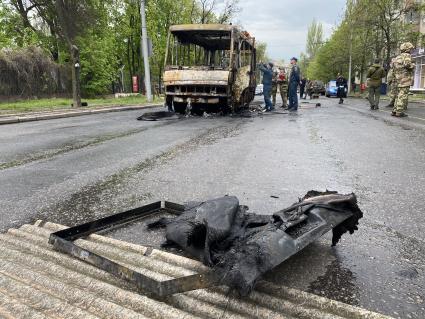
144	44
350	62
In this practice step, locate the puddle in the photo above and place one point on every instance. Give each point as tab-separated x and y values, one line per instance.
338	283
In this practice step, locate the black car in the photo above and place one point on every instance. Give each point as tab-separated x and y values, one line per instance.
320	87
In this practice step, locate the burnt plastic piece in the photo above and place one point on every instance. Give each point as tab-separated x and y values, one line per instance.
63	241
156	116
239	246
243	246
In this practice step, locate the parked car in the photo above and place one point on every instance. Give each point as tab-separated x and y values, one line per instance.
259	90
321	88
331	89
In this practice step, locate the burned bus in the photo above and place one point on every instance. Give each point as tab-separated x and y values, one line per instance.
209	68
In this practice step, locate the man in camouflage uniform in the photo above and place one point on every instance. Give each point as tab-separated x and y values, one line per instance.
274	85
309	87
374	75
282	85
391	81
403	71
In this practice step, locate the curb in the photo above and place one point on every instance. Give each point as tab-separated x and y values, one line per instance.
386	98
386	116
50	116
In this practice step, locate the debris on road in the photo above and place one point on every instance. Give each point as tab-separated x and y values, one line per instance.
311	103
242	246
238	246
160	115
251	111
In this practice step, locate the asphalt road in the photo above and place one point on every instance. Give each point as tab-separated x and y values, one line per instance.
74	170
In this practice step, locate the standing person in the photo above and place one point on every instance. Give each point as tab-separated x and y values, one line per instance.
274	85
403	70
309	87
391	81
294	81
341	85
282	85
302	88
267	70
374	75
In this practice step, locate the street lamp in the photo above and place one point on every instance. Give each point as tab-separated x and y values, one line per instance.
350	63
144	44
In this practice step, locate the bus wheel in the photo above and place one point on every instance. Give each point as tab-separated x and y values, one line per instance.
247	98
225	106
180	107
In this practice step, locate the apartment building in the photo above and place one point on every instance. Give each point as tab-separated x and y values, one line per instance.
417	18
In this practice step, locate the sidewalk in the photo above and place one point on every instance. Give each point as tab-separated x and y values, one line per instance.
64	113
415	110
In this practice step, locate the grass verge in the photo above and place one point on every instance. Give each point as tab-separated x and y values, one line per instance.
53	104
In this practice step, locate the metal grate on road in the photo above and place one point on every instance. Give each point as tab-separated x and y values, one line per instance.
39	282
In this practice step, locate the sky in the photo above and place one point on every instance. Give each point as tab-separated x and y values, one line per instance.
283	24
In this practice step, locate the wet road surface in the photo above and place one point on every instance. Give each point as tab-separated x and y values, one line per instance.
74	170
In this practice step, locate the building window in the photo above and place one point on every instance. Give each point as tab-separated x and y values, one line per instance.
419	81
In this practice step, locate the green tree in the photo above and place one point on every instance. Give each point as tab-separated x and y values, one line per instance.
261	56
159	24
106	34
230	9
314	39
5	39
371	28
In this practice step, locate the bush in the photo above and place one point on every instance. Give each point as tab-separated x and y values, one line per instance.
27	72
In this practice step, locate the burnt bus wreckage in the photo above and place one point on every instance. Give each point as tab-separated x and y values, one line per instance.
209	68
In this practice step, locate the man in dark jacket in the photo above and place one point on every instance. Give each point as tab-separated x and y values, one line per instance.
302	88
374	75
267	70
294	81
341	85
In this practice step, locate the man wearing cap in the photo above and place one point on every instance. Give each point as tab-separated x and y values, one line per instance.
267	70
404	71
341	84
294	81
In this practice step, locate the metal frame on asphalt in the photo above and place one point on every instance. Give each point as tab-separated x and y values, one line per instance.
64	241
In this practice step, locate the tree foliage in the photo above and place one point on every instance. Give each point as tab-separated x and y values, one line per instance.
107	33
314	39
369	29
29	72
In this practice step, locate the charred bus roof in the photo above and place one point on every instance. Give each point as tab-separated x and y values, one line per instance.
210	36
